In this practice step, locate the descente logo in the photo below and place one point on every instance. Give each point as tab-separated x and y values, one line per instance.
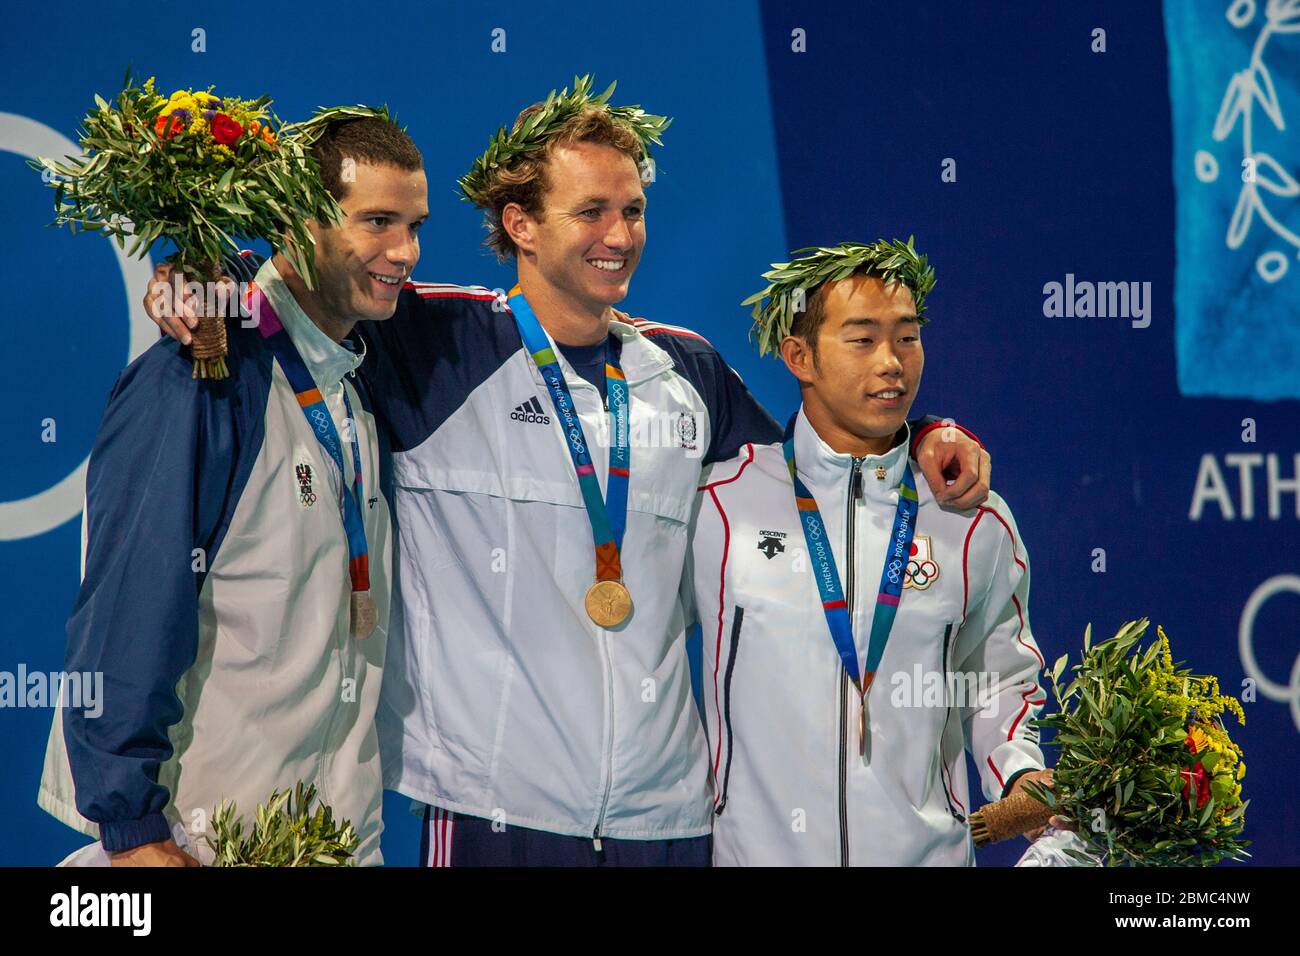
103	909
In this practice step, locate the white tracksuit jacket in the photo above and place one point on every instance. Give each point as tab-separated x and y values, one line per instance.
234	676
782	715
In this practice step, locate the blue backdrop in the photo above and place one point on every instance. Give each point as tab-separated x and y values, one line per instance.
1020	146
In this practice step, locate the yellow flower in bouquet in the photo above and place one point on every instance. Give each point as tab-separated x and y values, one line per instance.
1218	766
219	125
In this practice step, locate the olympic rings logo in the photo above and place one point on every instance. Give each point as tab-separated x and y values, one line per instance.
892	573
921	573
1287	693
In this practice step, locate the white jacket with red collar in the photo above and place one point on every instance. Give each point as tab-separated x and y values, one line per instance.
960	668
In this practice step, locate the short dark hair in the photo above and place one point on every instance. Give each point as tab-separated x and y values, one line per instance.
363	139
793	302
808	323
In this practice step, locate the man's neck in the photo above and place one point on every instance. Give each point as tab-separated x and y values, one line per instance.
311	302
840	440
568	322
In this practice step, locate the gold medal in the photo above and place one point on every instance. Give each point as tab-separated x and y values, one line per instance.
608	603
365	617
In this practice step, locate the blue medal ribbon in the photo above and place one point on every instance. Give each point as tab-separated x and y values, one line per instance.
318	417
827	576
608	516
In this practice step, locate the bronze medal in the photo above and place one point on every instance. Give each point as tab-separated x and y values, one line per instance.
365	617
864	722
608	603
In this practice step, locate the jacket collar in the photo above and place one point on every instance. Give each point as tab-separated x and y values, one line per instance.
326	360
821	467
639	358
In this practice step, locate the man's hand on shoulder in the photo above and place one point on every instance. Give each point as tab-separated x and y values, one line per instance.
955	466
162	853
172	310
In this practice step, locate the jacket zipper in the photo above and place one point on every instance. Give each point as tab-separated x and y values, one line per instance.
604	439
855	492
737	618
604	640
609	745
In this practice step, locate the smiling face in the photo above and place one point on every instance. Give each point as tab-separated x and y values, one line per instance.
364	260
587	239
862	378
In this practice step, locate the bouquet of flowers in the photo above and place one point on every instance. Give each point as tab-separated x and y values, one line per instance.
197	169
285	833
1147	772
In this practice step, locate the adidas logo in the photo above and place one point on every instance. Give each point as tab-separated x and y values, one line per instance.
531	411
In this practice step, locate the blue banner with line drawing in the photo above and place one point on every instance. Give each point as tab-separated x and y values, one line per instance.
1234	89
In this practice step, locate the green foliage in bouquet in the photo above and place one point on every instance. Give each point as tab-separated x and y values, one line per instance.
198	170
285	833
1147	772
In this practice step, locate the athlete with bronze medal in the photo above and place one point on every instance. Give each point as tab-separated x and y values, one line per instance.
363	616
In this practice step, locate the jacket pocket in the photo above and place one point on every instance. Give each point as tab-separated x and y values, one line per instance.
737	620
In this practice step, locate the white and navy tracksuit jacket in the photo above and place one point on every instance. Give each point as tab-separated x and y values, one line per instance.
215	599
782	715
501	698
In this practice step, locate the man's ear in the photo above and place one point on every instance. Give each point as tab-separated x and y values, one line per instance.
798	357
519	226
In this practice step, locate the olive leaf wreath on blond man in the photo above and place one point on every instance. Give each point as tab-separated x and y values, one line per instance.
512	170
791	302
